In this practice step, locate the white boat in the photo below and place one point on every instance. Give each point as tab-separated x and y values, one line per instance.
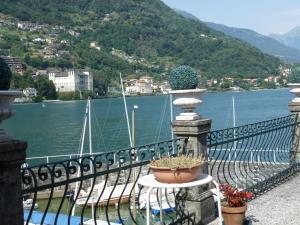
166	207
27	204
99	222
111	195
168	202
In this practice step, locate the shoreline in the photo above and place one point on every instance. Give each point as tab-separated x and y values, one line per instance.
131	96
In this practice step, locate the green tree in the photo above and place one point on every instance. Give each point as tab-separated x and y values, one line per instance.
226	84
45	88
22	81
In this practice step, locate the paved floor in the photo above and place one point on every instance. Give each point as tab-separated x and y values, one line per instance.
280	206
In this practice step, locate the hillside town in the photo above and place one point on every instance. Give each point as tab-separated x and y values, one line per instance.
73	80
46	42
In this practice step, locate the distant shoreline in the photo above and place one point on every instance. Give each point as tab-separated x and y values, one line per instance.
130	96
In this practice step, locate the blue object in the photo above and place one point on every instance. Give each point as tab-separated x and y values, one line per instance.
36	218
167	210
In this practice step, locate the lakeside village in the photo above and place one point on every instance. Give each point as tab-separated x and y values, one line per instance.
73	84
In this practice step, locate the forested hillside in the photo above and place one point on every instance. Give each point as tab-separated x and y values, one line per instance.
131	36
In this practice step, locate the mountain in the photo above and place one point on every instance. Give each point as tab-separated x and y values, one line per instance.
291	38
186	14
132	36
264	43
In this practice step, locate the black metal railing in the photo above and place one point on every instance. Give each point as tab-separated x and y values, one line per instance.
256	156
102	187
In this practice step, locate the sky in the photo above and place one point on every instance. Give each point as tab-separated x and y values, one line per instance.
262	16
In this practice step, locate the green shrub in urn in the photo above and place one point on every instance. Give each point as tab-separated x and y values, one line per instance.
183	77
5	75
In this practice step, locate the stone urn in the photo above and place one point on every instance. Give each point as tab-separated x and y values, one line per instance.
295	89
187	100
6	110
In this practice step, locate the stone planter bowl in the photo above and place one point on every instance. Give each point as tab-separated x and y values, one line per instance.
178	175
187	100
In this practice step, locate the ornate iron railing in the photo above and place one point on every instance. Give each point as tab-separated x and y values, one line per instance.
101	187
255	156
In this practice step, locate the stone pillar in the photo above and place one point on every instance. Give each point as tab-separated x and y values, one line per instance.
198	202
294	107
12	156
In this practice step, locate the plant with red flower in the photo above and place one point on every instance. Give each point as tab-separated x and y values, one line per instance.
235	197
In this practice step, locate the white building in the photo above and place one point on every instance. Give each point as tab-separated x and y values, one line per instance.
72	80
138	87
30	92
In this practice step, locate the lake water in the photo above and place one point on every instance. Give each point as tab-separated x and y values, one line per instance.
56	128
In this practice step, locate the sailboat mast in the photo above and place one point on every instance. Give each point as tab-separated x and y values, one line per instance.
171	118
233	111
81	151
90	128
234	133
126	111
234	123
91	150
171	113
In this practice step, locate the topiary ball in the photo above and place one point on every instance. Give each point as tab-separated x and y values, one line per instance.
5	75
182	78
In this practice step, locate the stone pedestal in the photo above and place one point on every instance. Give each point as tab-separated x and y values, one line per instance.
12	156
198	202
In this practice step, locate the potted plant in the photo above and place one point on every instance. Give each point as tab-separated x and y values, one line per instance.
235	205
179	169
184	81
6	97
294	83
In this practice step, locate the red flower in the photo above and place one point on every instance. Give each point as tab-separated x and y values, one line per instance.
249	195
235	197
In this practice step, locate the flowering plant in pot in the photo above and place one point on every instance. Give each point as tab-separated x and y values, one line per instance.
6	97
184	81
179	169
235	205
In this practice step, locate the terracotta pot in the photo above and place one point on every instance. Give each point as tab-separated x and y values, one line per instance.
233	215
179	175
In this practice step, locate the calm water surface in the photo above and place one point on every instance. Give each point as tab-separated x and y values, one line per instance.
56	128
